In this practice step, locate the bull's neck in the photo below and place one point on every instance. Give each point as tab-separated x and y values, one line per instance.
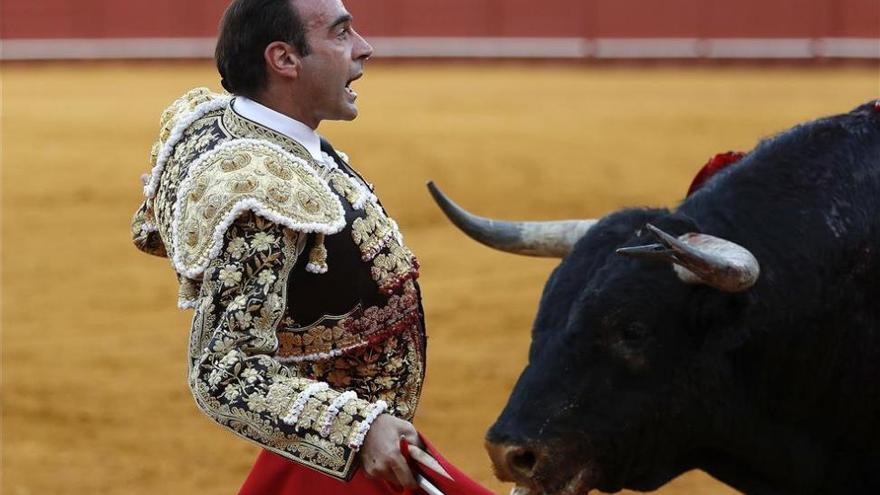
754	455
781	427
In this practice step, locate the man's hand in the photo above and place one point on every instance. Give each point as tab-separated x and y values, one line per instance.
381	455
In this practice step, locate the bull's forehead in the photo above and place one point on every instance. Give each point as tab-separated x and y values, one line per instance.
592	255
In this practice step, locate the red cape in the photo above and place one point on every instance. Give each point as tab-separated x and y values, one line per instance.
275	475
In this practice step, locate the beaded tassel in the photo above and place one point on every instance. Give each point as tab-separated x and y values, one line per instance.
318	256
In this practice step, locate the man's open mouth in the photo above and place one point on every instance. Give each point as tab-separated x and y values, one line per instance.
348	87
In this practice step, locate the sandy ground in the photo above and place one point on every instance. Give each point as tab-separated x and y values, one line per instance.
94	394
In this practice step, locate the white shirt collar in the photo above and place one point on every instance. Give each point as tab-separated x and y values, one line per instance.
279	122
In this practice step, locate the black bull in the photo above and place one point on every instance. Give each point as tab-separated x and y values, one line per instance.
752	353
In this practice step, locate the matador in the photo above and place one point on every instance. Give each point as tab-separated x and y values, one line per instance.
307	325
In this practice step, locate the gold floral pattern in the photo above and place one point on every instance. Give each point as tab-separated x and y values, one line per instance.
177	168
183	105
240	126
345	186
394	268
334	335
241	171
249	362
378	239
390	369
234	376
144	233
372	231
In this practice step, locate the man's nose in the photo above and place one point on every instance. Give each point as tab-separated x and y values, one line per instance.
363	50
515	462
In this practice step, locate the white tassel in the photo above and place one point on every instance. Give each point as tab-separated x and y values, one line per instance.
300	403
318	257
376	409
333	411
187	304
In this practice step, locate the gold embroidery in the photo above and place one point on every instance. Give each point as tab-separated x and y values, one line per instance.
175	170
234	376
318	256
238	173
309	417
335	335
346	187
182	106
371	232
393	268
144	233
390	369
242	127
278	169
188	291
238	161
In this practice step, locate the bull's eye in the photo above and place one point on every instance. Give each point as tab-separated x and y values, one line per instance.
631	346
635	333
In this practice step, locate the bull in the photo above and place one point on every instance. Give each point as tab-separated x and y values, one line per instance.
738	333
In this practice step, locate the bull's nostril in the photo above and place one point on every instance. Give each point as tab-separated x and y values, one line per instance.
523	461
515	462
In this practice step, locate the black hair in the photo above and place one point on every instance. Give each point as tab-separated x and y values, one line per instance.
248	26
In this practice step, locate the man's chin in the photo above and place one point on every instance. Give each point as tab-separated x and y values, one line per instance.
349	113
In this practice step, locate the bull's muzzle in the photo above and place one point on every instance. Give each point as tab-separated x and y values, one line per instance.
515	462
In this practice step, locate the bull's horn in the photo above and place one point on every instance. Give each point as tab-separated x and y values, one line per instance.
553	239
702	259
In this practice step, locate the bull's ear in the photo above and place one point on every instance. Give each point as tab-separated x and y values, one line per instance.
701	259
716	320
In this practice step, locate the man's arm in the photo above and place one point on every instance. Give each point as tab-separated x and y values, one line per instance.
236	380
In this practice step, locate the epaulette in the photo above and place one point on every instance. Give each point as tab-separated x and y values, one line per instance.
174	121
246	175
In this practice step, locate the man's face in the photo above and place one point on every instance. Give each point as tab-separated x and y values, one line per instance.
336	58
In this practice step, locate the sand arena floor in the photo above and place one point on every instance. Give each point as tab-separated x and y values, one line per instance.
94	359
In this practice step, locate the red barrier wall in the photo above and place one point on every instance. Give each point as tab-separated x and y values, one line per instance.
483	18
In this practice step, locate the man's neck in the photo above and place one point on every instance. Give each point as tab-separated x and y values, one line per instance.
279	122
286	107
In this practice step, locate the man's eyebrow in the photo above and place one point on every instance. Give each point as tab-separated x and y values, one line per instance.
341	20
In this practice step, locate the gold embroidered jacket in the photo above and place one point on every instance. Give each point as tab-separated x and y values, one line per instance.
308	321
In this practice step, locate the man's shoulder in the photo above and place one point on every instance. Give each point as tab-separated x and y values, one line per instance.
217	172
253	175
175	126
188	108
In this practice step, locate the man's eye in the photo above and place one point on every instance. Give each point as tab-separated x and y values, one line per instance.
344	33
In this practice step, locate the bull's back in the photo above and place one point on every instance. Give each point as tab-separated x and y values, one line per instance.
807	204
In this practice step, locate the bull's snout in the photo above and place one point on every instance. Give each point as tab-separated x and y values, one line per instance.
515	462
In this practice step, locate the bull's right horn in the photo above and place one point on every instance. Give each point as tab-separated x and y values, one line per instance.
552	239
702	259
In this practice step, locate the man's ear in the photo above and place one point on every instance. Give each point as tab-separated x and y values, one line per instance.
282	59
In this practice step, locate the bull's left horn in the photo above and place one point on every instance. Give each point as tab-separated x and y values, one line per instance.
552	239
